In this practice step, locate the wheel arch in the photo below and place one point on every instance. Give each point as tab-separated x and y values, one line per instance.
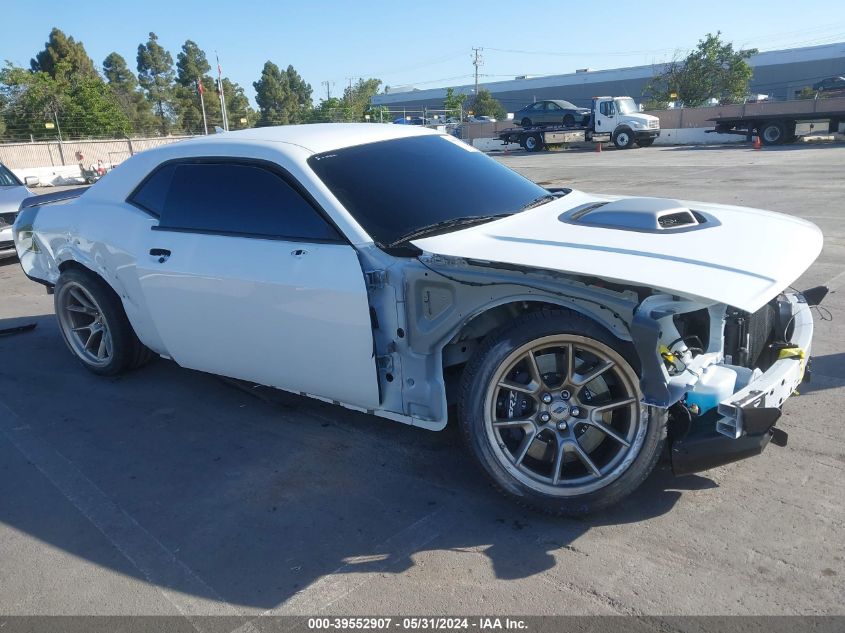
69	262
137	315
622	127
492	315
486	319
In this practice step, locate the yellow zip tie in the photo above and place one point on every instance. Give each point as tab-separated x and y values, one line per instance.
798	354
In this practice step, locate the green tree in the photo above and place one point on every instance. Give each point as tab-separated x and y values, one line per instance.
377	114
66	54
807	93
124	85
32	99
94	110
357	98
283	97
485	104
454	103
300	103
713	70
86	107
329	111
155	74
192	66
271	95
240	112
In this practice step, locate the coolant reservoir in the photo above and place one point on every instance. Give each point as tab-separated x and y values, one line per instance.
717	383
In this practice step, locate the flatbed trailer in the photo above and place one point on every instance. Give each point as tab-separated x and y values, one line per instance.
537	137
776	129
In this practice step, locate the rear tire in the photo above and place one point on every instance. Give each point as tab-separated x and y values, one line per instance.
537	431
773	133
526	122
94	324
533	143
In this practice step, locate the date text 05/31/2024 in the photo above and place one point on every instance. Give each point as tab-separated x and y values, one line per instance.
416	623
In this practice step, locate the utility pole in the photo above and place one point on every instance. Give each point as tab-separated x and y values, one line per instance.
328	84
349	101
477	61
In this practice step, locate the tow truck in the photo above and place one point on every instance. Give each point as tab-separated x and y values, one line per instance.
612	119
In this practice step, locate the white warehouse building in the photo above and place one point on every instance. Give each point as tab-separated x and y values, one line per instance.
780	74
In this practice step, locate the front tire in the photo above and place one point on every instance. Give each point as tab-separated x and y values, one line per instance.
646	142
550	410
94	324
569	120
623	139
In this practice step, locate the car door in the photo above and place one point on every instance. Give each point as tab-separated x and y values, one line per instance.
554	113
245	277
606	117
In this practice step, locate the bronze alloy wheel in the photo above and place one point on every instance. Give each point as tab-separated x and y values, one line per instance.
563	415
84	324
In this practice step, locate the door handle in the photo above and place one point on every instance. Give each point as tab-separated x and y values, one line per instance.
161	253
299	252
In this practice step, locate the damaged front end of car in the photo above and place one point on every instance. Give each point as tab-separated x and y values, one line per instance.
722	373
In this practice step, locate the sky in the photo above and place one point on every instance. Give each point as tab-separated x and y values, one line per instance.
425	44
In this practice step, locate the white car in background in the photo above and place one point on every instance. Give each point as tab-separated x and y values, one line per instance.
570	330
12	193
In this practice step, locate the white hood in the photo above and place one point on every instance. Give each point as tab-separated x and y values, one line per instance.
743	258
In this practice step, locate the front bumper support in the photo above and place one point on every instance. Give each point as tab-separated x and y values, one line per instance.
705	450
746	422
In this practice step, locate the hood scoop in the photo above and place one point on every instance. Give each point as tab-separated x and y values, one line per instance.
645	215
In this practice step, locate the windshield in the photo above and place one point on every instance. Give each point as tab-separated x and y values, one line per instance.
7	178
395	188
626	106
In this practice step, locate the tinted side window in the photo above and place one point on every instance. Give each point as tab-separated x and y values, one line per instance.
152	193
7	178
239	198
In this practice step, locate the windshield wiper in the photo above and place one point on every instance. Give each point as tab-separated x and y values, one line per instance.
430	229
536	202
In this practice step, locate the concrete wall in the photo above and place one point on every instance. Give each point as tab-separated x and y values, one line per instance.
57	155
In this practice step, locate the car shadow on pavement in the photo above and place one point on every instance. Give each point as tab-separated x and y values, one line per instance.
827	372
259	495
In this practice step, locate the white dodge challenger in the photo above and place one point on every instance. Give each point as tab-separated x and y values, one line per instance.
398	271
